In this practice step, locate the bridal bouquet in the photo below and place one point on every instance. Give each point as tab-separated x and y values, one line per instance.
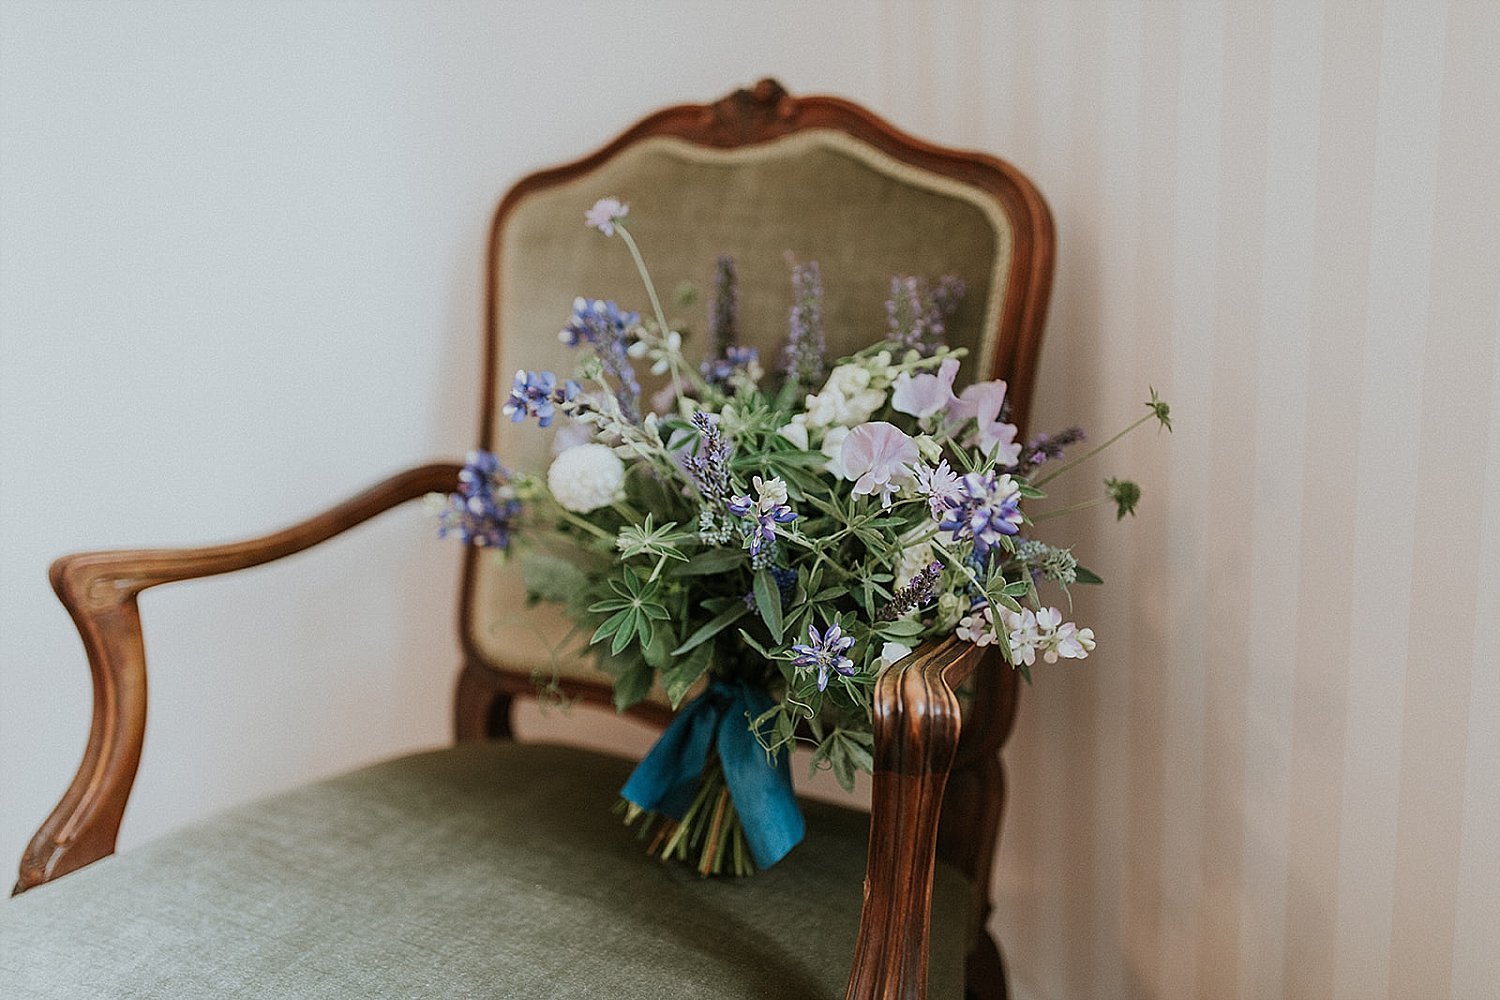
768	535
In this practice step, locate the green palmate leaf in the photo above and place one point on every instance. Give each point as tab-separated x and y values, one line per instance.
632	684
1019	588
611	626
768	602
627	631
845	752
861	748
684	673
713	627
1082	575
711	562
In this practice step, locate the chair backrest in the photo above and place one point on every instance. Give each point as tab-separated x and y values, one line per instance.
756	174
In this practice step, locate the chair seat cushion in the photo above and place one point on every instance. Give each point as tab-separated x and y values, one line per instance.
484	870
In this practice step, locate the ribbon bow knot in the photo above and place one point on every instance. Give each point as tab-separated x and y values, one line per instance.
667	778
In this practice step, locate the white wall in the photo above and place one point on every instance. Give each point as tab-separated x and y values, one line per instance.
240	272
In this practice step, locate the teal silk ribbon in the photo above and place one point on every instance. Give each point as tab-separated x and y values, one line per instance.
666	780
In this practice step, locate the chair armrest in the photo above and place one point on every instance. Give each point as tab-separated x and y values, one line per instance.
99	590
916	724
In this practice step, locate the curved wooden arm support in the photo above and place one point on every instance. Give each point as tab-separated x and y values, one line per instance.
99	590
917	724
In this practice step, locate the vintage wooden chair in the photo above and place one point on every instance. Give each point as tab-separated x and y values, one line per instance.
494	868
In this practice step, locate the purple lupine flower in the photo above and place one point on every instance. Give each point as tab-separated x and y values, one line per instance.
920	591
719	371
602	325
985	507
765	519
786	583
768	509
825	653
536	394
739	506
480	512
786	586
803	359
724	311
1048	447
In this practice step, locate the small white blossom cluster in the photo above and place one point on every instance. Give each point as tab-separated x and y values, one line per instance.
659	350
1044	631
977	627
850	396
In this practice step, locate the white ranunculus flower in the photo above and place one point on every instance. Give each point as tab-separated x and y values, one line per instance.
586	477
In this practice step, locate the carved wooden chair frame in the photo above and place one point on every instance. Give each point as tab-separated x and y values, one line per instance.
938	782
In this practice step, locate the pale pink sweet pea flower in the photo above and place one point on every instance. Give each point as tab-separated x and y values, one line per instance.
923	395
604	213
982	401
879	457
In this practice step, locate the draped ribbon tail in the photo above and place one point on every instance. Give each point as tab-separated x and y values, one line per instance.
761	789
669	775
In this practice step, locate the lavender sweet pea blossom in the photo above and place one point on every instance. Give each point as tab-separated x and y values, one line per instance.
879	457
924	395
983	403
825	653
604	213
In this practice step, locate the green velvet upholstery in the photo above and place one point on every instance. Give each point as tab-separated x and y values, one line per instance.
819	194
487	870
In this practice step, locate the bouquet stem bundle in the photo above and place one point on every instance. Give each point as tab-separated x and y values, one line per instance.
710	836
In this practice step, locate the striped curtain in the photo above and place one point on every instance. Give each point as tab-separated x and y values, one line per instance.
1279	776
